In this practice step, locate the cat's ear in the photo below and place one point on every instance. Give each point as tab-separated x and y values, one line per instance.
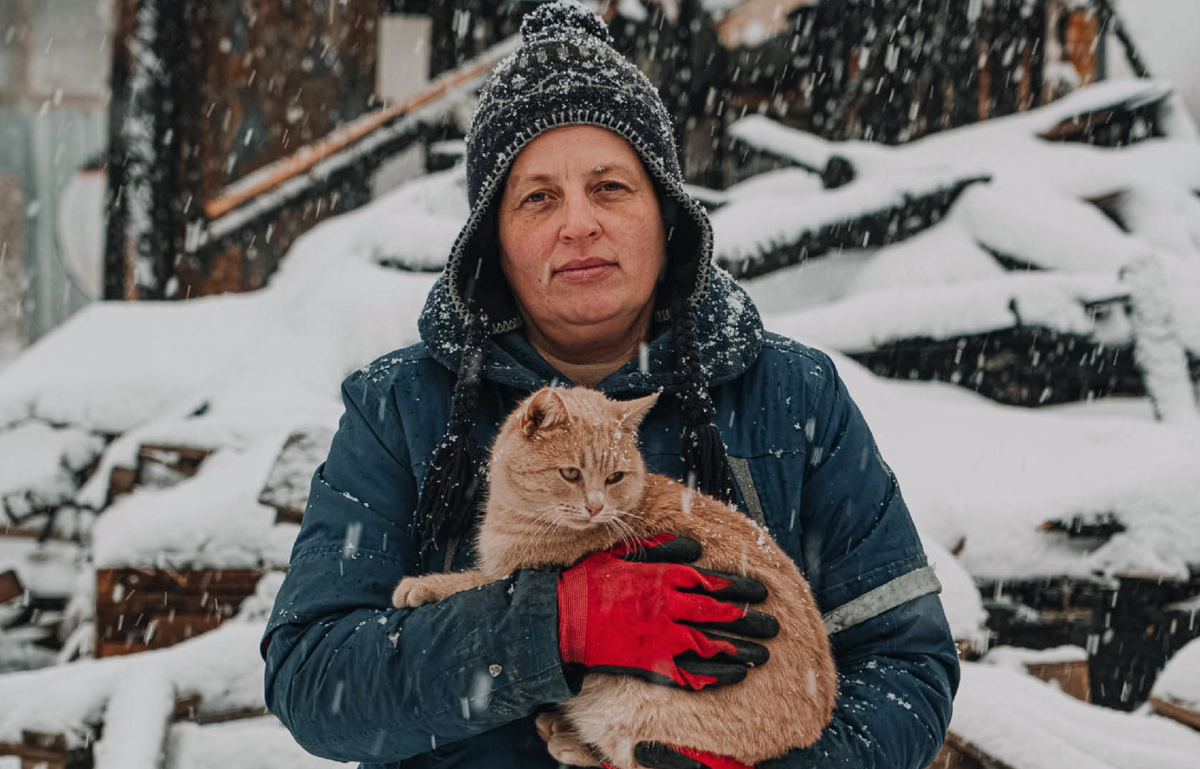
545	409
635	410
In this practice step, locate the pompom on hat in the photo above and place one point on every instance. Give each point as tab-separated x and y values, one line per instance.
566	72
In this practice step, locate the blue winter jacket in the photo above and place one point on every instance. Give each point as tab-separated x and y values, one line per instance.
457	684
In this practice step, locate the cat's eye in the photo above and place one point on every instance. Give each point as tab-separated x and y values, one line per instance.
614	477
569	473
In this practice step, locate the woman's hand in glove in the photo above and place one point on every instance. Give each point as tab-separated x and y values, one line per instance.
639	609
653	755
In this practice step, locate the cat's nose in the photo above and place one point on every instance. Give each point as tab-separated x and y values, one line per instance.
594	502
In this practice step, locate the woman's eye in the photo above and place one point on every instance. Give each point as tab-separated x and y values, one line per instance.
612	187
614	477
537	197
569	473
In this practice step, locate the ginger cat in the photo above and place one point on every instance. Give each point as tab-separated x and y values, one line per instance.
536	518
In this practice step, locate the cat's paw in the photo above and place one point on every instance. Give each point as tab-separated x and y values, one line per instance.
413	592
567	749
549	724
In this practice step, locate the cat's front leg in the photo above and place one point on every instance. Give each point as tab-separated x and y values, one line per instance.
431	588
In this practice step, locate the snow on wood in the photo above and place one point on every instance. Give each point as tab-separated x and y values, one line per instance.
1176	693
872	318
47	570
136	721
287	486
1028	724
1034	212
212	520
1066	666
43	467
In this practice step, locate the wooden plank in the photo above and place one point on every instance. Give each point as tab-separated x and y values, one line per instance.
120	482
10	586
166	633
274	174
950	757
287	485
755	21
114	585
1176	712
974	752
142	609
40	750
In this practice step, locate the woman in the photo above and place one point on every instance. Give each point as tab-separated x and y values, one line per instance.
585	260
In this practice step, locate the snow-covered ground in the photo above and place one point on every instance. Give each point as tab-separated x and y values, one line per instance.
237	374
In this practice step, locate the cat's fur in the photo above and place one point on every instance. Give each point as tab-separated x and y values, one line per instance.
536	518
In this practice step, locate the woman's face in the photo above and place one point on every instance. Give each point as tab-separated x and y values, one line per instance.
581	236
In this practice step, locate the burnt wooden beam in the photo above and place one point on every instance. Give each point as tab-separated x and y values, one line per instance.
1127	625
1103	525
1019	366
158	465
877	228
1176	712
46	750
10	586
287	484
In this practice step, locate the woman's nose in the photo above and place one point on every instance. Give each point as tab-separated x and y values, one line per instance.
579	219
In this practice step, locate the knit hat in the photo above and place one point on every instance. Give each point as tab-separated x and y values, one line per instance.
566	72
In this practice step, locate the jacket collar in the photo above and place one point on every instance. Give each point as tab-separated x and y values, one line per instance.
728	326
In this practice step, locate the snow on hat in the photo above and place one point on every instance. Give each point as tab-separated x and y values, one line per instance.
566	72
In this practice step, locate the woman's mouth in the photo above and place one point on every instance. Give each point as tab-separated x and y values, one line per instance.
584	270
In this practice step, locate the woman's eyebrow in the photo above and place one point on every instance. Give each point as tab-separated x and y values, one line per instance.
617	167
530	179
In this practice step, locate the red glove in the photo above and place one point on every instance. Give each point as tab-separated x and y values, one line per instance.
655	756
626	611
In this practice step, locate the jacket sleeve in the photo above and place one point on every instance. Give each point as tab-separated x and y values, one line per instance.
898	671
354	679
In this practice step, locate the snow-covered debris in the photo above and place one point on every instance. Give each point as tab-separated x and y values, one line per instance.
1027	724
1040	209
258	743
221	667
42	466
990	476
1179	682
230	371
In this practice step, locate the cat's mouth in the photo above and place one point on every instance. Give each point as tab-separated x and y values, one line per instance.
583	520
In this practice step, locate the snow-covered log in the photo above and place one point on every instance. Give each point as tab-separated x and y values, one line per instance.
136	721
1021	722
1156	347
